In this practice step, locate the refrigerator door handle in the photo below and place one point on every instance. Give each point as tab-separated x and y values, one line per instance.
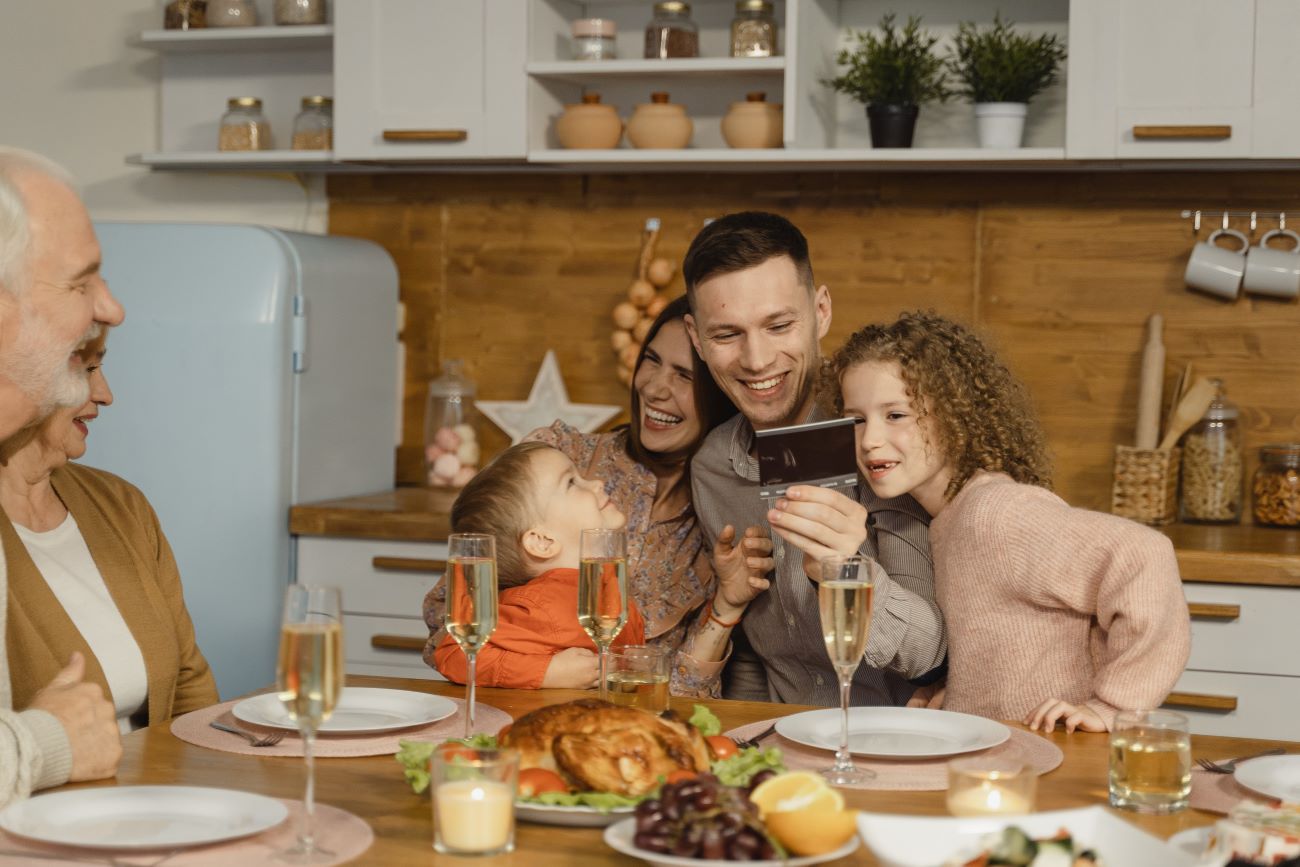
299	333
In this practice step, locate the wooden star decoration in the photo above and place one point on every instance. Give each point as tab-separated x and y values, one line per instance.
547	401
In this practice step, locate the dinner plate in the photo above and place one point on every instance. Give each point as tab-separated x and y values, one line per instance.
360	710
619	836
895	732
922	841
142	817
1275	776
576	817
1191	840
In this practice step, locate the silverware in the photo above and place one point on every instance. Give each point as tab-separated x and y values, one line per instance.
254	740
753	742
1231	764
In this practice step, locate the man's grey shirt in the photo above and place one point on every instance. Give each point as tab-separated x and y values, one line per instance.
782	624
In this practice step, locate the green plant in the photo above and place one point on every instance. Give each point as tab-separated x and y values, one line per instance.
896	67
1001	65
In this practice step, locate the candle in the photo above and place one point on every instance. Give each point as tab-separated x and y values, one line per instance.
475	816
987	798
990	786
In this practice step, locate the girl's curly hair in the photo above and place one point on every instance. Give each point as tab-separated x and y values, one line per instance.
982	414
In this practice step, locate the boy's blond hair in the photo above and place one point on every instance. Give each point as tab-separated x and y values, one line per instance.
501	501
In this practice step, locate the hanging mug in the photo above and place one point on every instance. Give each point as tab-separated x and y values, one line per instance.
1217	270
1274	272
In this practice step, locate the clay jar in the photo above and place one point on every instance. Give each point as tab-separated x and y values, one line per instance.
754	123
659	124
589	125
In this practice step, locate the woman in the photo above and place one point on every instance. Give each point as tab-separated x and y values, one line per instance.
90	571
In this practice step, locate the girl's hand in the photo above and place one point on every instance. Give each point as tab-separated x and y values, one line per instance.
741	568
820	522
1053	710
929	696
572	668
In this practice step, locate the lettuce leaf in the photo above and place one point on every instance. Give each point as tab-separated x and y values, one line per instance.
414	757
706	721
737	770
601	801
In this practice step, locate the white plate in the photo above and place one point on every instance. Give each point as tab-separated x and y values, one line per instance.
1192	840
895	732
917	841
619	836
142	817
577	817
1275	776
360	710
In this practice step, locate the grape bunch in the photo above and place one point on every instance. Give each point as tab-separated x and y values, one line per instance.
701	818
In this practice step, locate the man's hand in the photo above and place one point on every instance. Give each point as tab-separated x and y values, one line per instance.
88	719
929	696
741	568
1052	710
572	668
820	522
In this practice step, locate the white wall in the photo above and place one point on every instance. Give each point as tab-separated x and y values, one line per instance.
74	89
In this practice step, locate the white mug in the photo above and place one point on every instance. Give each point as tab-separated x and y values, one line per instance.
1270	271
1216	270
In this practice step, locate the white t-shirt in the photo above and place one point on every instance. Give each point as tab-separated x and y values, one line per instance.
64	561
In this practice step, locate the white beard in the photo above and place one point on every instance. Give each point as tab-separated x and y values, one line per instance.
38	365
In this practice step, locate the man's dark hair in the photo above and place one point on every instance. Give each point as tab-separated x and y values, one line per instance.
743	240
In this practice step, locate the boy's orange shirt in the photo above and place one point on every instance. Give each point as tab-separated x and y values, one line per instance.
535	621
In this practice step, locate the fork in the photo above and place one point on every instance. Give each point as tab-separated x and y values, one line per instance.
1231	764
753	742
254	740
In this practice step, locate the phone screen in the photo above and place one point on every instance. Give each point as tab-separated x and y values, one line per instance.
819	453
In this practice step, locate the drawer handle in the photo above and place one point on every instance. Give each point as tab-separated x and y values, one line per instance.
451	135
1210	611
1201	701
408	564
405	643
1210	131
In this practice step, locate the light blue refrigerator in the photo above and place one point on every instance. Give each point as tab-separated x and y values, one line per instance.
256	369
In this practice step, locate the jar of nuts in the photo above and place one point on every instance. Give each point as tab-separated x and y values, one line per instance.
1276	486
313	128
1212	466
243	126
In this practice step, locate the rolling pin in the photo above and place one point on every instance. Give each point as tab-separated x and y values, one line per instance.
1153	374
1189	410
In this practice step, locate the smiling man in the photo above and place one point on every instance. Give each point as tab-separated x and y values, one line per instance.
757	319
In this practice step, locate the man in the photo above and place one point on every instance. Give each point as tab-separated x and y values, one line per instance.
52	301
757	318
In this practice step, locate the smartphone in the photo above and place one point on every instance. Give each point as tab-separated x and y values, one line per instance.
821	453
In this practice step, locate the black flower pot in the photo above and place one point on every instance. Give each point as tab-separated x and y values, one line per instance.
892	125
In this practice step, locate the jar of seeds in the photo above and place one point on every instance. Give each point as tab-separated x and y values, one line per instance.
300	11
1212	465
753	30
243	126
313	128
185	15
672	33
1276	486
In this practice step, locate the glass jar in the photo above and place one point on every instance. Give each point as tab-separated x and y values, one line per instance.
451	441
300	11
313	128
672	33
232	13
185	15
1276	486
753	30
1212	465
593	39
243	126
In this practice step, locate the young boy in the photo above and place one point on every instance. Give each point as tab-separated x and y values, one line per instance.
533	501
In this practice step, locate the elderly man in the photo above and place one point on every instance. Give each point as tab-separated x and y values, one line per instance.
52	300
757	319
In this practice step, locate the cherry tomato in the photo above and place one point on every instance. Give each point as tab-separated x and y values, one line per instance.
722	747
536	781
680	774
451	751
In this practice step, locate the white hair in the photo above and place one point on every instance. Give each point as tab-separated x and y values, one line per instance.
15	230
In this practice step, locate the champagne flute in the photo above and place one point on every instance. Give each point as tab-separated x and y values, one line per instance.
602	591
471	615
309	676
844	600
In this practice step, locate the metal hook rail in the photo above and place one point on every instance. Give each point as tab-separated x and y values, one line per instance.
1195	217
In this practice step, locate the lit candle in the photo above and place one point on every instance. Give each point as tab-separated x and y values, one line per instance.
475	815
987	798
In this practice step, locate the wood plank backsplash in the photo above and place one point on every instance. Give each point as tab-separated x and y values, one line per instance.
1061	269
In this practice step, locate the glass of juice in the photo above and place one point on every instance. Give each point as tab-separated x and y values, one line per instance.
637	676
1150	761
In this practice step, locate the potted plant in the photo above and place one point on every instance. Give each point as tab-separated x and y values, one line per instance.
1001	70
892	73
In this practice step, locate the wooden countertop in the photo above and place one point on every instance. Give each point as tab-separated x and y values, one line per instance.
403	514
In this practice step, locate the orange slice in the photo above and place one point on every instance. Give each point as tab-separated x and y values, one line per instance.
812	831
797	790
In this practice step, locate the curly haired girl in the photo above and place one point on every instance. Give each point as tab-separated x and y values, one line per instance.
1053	613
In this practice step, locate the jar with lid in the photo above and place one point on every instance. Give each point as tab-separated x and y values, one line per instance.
753	30
672	33
185	15
232	13
1212	465
593	39
243	126
300	11
313	128
451	442
1276	486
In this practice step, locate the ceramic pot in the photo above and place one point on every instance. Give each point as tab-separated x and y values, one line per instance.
1000	124
892	125
754	123
659	124
590	125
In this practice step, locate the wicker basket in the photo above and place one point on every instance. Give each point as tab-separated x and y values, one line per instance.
1146	484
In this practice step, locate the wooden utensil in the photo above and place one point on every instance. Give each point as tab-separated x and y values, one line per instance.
1189	411
1181	384
1153	375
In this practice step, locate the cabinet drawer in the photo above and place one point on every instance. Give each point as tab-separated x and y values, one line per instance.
1266	706
1243	629
361	634
382	578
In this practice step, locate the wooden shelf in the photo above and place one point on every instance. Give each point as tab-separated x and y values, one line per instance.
1237	553
805	158
586	71
271	38
262	161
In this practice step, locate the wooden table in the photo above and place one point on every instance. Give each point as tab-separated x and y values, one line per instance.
373	788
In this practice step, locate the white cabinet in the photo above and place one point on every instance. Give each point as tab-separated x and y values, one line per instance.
1277	68
429	79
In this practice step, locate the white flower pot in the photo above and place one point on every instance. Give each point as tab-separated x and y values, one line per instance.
1000	124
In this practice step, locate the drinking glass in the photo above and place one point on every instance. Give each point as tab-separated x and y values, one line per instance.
638	677
844	600
471	615
991	786
602	590
473	799
309	676
1150	761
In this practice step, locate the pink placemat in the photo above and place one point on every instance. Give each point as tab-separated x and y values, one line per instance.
1219	793
923	775
194	727
338	831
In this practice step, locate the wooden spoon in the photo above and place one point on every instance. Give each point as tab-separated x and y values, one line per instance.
1189	411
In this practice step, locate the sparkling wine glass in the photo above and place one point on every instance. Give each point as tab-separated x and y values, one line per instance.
309	676
844	600
602	591
471	616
